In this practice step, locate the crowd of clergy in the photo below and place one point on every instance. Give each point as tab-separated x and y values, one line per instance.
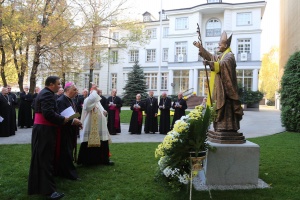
99	119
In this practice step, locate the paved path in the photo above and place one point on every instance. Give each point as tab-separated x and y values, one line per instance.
264	122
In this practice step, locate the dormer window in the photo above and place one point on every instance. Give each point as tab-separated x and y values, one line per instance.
147	17
214	1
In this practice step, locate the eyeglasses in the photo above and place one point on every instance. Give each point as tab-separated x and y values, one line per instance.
8	88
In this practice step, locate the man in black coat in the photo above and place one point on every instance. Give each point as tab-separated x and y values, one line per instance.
136	121
151	110
180	106
67	136
14	105
7	122
164	121
43	141
103	100
114	104
25	112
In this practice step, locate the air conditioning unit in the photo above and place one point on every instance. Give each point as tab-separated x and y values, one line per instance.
244	56
180	58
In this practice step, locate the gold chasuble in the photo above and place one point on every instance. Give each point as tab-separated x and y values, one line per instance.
94	138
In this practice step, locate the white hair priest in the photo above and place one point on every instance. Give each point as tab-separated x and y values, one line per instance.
95	137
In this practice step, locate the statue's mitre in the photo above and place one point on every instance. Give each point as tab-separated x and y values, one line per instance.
225	39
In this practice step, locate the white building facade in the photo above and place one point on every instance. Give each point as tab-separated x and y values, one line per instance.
177	63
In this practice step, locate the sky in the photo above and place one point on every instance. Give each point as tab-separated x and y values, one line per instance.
269	25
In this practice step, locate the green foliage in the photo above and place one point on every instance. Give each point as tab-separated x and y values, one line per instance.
290	94
250	97
135	85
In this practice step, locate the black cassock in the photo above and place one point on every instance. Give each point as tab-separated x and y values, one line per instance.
151	107
103	102
66	142
25	112
7	126
79	99
136	121
14	105
113	119
164	121
179	112
40	180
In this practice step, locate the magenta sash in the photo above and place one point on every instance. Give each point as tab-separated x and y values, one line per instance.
140	115
117	116
40	119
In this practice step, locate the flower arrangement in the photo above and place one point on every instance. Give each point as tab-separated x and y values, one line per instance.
188	135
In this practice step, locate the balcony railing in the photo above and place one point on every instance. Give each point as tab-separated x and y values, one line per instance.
243	58
180	58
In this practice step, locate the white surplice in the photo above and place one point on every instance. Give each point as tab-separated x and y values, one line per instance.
92	103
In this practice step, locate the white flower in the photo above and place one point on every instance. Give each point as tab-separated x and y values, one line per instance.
184	178
167	171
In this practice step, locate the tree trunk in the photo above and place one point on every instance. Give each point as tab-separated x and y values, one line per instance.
3	56
92	58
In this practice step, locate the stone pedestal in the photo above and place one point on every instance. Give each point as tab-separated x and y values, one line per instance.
232	164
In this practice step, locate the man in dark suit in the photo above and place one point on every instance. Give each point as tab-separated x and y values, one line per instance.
164	121
151	110
180	107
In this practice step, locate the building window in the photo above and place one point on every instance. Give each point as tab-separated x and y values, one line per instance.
152	33
244	46
244	19
151	81
213	28
151	55
86	81
165	32
97	56
114	56
113	81
164	81
96	79
115	36
147	18
134	56
245	78
181	23
181	80
165	54
212	47
180	51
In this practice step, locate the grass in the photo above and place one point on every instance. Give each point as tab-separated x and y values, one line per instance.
132	177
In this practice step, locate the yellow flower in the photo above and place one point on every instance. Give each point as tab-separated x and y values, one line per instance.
185	97
180	126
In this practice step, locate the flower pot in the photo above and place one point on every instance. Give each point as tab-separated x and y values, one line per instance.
197	162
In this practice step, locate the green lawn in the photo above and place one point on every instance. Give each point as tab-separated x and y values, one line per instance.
132	177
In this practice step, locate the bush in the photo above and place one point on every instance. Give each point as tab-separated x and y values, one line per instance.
290	94
250	97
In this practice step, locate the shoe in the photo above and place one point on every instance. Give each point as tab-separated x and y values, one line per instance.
110	163
56	195
153	133
146	132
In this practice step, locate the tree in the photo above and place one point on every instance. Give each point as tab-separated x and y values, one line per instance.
106	14
269	74
136	84
290	94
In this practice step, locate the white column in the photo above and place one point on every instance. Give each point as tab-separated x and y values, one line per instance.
255	80
191	77
195	86
170	81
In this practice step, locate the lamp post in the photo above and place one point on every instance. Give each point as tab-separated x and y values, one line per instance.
159	51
